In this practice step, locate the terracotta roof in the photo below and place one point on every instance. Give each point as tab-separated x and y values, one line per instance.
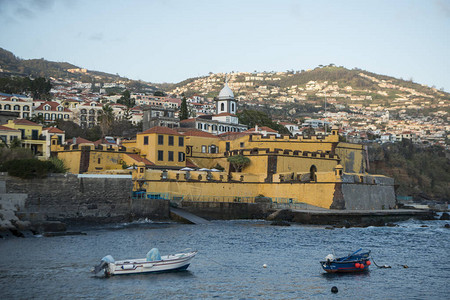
79	140
25	122
188	120
138	158
160	130
195	132
53	130
262	128
53	106
190	164
8	129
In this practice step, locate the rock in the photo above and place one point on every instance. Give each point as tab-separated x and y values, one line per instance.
53	234
50	226
445	216
329	227
424	226
447	225
391	225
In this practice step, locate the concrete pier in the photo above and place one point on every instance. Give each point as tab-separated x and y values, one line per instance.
350	217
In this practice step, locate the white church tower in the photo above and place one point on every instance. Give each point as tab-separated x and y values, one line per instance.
226	102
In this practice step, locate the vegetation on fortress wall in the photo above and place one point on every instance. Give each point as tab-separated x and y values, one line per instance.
418	171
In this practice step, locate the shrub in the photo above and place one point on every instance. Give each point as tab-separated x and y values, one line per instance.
32	168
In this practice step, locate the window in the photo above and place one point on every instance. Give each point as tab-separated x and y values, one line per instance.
16	107
222	107
145	140
92	112
47	107
7	107
83	111
99	160
203	149
180	156
160	155
53	117
170	141
232	107
46	116
242	144
60	108
199	126
66	116
181	141
160	140
227	146
170	156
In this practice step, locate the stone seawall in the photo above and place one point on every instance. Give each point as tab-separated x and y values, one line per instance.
227	210
68	197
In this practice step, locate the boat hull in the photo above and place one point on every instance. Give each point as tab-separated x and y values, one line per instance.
345	266
170	263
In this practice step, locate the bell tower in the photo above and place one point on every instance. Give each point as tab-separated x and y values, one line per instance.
225	102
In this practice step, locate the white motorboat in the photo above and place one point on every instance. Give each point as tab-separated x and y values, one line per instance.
153	263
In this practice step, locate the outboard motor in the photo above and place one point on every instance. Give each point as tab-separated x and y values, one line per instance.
103	264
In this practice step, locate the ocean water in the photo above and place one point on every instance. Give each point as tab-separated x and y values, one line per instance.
230	262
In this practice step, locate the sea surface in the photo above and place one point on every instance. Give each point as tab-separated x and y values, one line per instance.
229	264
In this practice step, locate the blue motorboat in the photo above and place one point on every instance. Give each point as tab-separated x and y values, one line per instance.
356	262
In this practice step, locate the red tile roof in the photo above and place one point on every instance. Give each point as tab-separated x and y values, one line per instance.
53	130
262	128
188	120
195	132
190	164
53	106
79	140
8	129
160	130
138	158
25	122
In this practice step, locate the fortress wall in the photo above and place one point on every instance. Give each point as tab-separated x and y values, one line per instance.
368	197
104	198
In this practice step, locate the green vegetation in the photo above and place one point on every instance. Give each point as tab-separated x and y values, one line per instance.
39	87
238	162
421	172
184	113
252	118
32	168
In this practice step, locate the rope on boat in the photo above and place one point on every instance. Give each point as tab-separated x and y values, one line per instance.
381	267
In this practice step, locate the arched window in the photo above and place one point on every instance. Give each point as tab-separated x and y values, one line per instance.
53	116
16	107
232	107
83	111
46	116
92	112
26	108
47	107
7	107
222	106
60	108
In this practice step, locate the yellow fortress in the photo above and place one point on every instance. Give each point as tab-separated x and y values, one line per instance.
308	172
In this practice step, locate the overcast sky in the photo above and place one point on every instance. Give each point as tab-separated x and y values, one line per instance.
169	41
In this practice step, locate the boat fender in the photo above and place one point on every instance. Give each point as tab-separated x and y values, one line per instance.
148	266
128	267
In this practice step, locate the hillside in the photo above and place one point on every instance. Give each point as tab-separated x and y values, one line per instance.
12	65
307	90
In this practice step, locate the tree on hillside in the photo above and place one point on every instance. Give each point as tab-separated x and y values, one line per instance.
252	118
184	113
159	94
106	119
128	102
40	88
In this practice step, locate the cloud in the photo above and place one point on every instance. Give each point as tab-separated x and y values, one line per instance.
24	8
443	7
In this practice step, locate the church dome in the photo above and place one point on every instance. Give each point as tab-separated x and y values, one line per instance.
226	93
